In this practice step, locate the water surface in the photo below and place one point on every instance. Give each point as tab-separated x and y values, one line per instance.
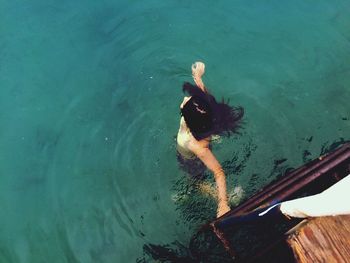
89	110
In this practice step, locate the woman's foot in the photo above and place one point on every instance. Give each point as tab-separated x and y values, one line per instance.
223	208
235	196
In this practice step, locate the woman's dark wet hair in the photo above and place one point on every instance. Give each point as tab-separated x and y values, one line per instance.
205	116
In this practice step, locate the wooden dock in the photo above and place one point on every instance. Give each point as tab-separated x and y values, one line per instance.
324	239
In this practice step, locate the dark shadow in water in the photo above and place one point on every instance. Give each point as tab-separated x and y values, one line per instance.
328	147
176	252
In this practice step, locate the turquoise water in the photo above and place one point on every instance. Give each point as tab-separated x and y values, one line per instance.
89	110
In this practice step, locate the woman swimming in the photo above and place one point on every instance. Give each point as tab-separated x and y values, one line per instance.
202	118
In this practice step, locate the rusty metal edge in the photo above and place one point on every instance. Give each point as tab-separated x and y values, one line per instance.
308	172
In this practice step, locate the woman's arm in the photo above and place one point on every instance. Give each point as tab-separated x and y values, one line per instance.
198	69
208	158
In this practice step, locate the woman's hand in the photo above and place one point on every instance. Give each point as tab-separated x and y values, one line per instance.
198	69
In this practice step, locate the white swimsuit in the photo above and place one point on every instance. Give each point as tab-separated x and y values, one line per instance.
184	137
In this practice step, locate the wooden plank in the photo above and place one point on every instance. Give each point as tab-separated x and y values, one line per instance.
323	239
